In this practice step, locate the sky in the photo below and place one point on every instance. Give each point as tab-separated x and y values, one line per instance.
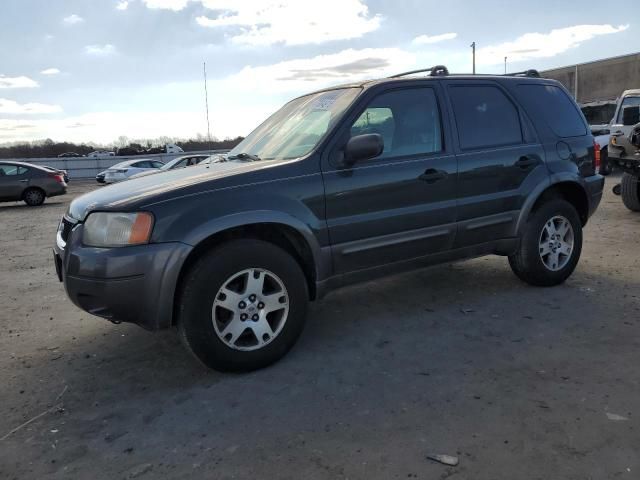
96	70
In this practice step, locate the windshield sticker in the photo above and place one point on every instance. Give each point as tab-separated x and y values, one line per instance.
325	102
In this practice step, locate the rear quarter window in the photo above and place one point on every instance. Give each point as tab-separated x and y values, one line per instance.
553	106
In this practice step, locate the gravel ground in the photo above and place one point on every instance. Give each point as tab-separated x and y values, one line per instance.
462	359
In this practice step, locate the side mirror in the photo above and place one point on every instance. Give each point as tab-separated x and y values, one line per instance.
631	115
363	147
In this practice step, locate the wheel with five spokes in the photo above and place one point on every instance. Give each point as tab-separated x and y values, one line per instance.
242	305
550	244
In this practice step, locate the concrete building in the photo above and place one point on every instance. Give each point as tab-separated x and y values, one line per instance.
600	80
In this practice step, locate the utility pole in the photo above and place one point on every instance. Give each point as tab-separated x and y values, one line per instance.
206	102
473	47
505	65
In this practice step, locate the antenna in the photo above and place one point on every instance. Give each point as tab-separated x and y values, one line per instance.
206	103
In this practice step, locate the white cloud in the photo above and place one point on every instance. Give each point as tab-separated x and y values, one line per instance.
100	50
426	39
10	106
72	19
174	5
122	5
303	75
291	22
541	45
50	71
17	82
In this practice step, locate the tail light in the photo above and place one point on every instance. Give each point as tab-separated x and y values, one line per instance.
58	177
596	158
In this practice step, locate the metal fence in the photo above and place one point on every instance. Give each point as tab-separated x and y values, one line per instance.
86	167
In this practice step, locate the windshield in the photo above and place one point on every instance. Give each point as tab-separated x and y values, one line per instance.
627	102
295	129
169	165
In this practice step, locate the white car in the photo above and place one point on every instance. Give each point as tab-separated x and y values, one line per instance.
124	170
101	153
180	162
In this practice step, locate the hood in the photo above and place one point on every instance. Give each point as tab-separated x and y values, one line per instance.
133	193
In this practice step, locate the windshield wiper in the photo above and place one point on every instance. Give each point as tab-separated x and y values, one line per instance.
245	156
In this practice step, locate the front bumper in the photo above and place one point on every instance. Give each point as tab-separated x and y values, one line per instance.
131	284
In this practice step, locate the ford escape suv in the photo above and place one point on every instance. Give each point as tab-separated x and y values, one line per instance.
338	186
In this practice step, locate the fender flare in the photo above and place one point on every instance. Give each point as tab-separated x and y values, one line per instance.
554	179
321	256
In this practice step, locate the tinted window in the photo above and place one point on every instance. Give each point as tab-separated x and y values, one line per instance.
485	117
22	170
554	107
627	102
408	120
157	164
6	170
141	165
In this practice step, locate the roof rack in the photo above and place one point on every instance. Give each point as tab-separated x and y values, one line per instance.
435	71
526	73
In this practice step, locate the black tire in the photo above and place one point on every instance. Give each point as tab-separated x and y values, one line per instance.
605	166
201	286
33	197
527	263
630	191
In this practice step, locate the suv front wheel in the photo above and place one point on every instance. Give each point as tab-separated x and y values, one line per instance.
243	306
550	245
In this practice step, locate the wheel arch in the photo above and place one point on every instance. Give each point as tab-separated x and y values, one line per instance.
570	190
301	244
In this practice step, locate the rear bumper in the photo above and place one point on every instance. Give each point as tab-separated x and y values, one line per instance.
594	186
130	284
58	190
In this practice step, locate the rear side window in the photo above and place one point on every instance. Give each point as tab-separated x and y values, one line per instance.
485	117
553	106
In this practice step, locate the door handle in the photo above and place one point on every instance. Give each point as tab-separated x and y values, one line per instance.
432	175
24	181
527	162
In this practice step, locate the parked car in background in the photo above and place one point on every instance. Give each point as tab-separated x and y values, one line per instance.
69	154
101	153
124	170
64	173
599	116
180	162
338	186
29	183
100	176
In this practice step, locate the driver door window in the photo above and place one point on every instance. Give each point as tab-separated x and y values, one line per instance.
408	121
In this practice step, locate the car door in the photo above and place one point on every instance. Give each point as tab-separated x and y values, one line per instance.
401	204
13	180
499	160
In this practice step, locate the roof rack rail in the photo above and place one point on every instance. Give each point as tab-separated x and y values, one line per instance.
526	73
435	71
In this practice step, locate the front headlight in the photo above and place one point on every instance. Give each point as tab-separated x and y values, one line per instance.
110	229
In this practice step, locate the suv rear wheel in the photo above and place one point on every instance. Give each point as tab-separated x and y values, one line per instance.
550	245
243	306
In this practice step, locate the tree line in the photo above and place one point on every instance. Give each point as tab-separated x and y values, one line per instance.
49	148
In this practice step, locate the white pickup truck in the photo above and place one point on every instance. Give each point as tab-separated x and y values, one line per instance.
624	147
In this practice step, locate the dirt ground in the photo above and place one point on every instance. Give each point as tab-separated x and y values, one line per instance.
463	359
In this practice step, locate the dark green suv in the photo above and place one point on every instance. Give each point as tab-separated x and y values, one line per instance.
339	186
